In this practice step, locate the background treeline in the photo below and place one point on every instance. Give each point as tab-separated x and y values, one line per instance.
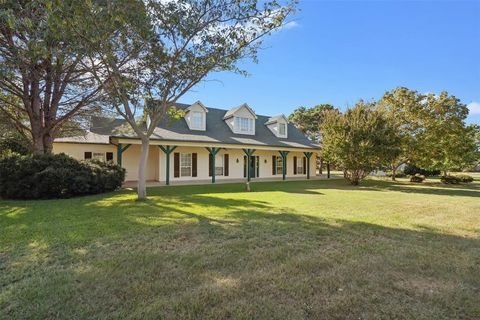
426	131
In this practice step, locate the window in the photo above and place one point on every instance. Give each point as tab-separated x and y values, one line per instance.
300	166
279	165
219	165
282	129
98	156
109	156
185	164
243	125
196	120
87	155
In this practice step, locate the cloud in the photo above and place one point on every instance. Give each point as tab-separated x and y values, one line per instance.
474	107
290	25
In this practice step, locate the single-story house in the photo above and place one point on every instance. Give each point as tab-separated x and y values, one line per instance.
207	144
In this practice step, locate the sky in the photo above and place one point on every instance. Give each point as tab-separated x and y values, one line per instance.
340	51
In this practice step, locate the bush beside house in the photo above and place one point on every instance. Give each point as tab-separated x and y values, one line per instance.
56	176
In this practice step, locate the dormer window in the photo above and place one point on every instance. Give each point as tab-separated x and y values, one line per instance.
282	129
196	120
278	125
244	125
241	119
195	116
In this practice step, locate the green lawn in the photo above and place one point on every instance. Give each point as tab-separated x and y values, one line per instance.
287	250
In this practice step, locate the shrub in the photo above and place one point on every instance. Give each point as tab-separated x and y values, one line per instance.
465	178
412	170
417	178
450	179
55	176
461	178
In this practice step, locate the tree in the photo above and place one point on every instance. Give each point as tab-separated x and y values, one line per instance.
308	121
42	63
161	49
405	110
447	142
431	130
359	140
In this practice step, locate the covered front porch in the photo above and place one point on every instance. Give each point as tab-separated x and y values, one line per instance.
176	162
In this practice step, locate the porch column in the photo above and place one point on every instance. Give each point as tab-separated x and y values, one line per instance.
284	162
121	149
308	155
167	150
213	151
328	169
249	153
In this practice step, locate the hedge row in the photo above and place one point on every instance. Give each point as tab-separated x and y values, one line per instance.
56	176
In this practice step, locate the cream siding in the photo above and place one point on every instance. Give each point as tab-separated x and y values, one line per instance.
77	150
156	170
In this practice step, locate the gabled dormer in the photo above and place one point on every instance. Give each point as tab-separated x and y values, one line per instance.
241	119
278	125
196	116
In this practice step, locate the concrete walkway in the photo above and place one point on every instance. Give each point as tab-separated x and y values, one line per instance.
133	184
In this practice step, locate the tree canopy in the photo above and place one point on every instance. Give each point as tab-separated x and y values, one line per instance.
359	140
42	63
431	130
161	49
309	120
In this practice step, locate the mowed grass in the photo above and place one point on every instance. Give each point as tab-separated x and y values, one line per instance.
287	250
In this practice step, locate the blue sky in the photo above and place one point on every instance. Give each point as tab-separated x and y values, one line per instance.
340	51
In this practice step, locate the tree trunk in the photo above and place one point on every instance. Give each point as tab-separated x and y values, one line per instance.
394	172
48	142
142	168
37	146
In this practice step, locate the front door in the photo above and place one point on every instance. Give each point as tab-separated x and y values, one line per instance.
254	166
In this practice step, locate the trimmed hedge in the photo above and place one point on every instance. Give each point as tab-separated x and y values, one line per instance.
56	176
461	178
465	178
412	170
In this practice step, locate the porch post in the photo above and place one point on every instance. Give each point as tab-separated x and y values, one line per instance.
248	153
167	150
308	155
120	151
213	151
284	162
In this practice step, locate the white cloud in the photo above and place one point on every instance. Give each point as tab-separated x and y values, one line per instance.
474	107
290	25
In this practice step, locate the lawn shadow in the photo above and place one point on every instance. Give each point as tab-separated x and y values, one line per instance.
255	260
429	188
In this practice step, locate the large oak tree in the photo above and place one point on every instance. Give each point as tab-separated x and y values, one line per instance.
42	63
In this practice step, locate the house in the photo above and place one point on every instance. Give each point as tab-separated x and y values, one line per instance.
207	144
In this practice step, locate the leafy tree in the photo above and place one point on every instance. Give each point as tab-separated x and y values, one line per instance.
431	130
405	110
42	63
359	140
159	50
308	121
447	142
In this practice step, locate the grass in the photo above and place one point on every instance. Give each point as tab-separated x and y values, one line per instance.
291	250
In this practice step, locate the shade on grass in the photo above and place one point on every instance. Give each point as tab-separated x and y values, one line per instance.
318	249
